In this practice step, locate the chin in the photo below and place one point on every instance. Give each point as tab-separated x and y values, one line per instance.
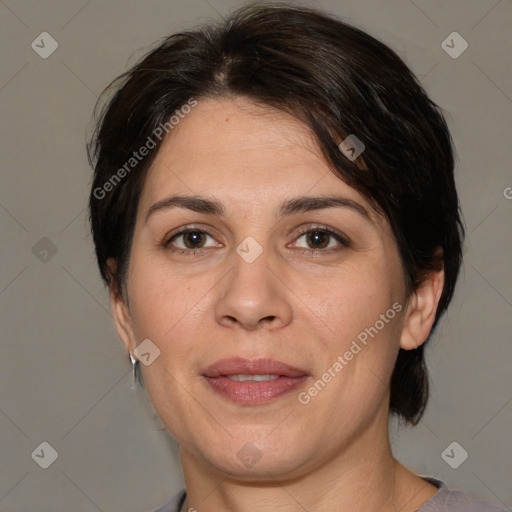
252	455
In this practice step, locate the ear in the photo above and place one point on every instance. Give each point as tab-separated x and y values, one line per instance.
120	311
421	311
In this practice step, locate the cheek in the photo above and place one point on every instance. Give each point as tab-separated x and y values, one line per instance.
161	299
165	309
362	306
353	299
169	310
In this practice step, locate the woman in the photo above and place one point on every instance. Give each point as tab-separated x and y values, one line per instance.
274	212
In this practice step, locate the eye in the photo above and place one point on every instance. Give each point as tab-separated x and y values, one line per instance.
320	239
189	239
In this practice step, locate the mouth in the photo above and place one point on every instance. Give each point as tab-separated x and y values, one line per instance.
253	381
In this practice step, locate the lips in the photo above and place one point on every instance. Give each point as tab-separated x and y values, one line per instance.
240	366
253	381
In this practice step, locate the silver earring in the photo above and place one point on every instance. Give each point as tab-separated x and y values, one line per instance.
134	362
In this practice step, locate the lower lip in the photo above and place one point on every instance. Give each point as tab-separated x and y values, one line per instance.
254	393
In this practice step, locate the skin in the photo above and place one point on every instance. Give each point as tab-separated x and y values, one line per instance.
293	304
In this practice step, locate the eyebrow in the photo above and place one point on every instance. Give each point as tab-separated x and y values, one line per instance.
195	203
307	204
288	207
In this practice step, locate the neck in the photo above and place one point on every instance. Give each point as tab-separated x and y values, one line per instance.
364	477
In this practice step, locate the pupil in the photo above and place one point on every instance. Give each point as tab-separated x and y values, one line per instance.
192	238
319	239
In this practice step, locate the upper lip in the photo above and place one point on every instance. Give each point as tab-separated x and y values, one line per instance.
239	365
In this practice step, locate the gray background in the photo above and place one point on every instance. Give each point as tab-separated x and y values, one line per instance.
64	376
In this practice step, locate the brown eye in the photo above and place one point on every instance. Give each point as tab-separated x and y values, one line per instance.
190	239
194	239
317	239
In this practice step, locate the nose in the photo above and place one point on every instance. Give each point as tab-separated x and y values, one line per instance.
254	296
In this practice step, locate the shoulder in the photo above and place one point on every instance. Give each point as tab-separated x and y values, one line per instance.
174	504
447	500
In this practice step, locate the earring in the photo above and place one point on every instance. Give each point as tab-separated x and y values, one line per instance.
134	362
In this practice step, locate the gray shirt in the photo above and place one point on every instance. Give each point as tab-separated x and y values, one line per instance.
444	500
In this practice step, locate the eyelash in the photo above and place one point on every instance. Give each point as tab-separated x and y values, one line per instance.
302	231
341	239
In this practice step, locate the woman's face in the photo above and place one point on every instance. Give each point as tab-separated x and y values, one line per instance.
264	273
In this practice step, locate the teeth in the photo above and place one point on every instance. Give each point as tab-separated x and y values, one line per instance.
254	378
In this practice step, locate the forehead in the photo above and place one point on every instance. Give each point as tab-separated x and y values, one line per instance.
235	150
